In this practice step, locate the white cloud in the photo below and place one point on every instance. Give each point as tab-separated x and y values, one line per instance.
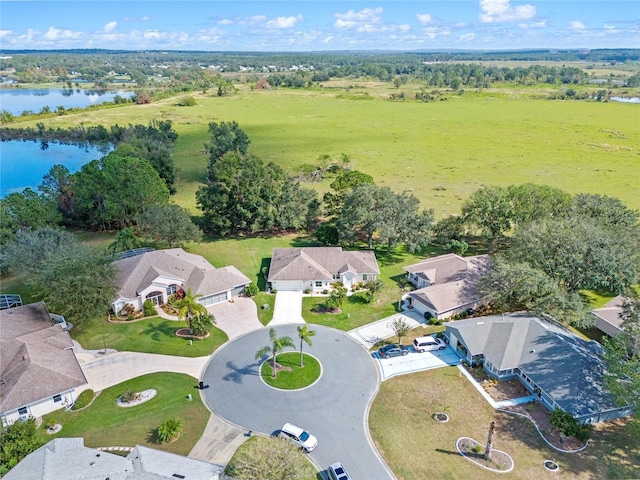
145	18
502	11
5	33
110	27
225	21
283	22
577	26
467	37
364	18
54	34
611	29
533	25
328	39
424	18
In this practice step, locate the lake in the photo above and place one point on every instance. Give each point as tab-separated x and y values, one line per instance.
25	163
16	100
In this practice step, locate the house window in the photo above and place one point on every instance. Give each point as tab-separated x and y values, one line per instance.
172	289
318	283
336	276
57	398
364	277
22	411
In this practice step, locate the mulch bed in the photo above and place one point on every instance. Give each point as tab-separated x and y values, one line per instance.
474	451
186	333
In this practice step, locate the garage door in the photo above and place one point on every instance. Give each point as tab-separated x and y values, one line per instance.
288	285
211	299
237	291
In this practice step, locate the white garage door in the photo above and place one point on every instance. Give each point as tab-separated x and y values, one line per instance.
211	299
288	285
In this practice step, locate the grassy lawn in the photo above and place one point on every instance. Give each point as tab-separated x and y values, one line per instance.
417	447
106	424
151	335
355	312
294	378
263	298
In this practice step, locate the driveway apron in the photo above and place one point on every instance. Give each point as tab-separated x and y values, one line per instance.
334	409
236	318
287	309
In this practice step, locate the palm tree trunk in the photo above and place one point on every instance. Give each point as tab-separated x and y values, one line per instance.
487	453
301	363
275	358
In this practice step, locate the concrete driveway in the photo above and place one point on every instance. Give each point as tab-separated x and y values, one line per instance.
236	318
287	309
416	362
335	409
372	333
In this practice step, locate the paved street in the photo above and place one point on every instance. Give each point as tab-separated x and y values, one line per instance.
335	409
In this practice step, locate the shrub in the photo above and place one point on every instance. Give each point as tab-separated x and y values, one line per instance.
128	396
148	308
169	429
251	290
141	98
188	101
307	290
84	399
325	292
568	425
52	422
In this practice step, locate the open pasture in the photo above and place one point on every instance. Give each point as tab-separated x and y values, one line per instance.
440	151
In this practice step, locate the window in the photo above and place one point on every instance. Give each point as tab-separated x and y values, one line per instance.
172	289
364	277
22	411
57	398
318	283
336	276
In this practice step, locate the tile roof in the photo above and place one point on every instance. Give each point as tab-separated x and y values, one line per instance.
35	359
319	263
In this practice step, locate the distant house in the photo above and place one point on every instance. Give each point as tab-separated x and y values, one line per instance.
318	267
608	317
68	458
39	372
562	369
158	274
446	285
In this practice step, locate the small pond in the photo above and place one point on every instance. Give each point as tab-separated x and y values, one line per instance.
19	100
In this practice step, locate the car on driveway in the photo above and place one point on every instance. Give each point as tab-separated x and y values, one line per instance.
338	472
303	439
393	350
425	344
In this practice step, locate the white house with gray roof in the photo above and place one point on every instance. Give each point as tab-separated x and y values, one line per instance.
608	319
39	372
68	458
562	369
446	284
158	274
317	268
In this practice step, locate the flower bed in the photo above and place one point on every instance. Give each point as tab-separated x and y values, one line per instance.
473	451
186	333
140	397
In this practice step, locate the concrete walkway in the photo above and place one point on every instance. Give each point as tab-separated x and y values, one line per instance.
288	309
218	442
372	333
236	318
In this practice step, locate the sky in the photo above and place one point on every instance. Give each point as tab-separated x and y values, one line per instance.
317	25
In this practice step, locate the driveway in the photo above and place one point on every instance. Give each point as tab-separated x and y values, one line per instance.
288	309
335	409
236	318
372	333
416	362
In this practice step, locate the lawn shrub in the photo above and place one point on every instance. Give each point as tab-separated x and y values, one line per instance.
84	399
307	291
568	425
128	396
148	308
169	429
251	290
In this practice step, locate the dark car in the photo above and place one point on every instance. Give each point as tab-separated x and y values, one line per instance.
392	350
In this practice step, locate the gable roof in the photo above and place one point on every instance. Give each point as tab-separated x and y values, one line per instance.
565	367
319	263
36	360
137	273
610	313
456	281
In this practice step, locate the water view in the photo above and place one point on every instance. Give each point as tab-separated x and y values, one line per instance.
23	164
17	100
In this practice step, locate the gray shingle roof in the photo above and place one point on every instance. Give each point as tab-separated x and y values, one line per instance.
137	273
319	263
35	361
567	368
611	311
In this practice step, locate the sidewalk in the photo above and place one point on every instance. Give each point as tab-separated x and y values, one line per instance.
218	442
372	333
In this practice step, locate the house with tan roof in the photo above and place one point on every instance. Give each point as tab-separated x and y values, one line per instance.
156	275
608	318
446	285
317	268
39	372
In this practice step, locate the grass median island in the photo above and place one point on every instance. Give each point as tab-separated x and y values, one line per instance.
152	335
405	433
104	423
290	375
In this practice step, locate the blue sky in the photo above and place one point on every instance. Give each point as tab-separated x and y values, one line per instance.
307	25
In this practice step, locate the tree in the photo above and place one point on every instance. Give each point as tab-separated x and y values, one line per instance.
201	324
225	137
189	307
336	299
57	186
532	202
169	429
168	226
125	240
487	452
26	210
277	345
359	215
608	211
251	290
489	209
400	327
373	287
304	334
16	442
343	183
327	234
274	458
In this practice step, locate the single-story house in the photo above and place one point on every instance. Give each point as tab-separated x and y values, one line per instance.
562	369
39	372
158	274
69	458
317	268
608	318
446	285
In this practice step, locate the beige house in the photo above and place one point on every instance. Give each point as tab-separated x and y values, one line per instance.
39	372
158	274
446	285
316	268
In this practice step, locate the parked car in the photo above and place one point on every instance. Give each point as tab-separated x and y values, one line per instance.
338	472
392	350
425	344
303	439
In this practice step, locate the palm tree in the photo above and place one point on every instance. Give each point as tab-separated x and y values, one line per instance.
201	325
401	327
277	345
304	335
189	307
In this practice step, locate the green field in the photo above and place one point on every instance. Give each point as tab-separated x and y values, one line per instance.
440	151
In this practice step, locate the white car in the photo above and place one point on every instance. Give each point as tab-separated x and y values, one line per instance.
424	344
303	439
338	472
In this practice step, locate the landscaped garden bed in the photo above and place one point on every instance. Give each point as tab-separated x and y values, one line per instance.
472	450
